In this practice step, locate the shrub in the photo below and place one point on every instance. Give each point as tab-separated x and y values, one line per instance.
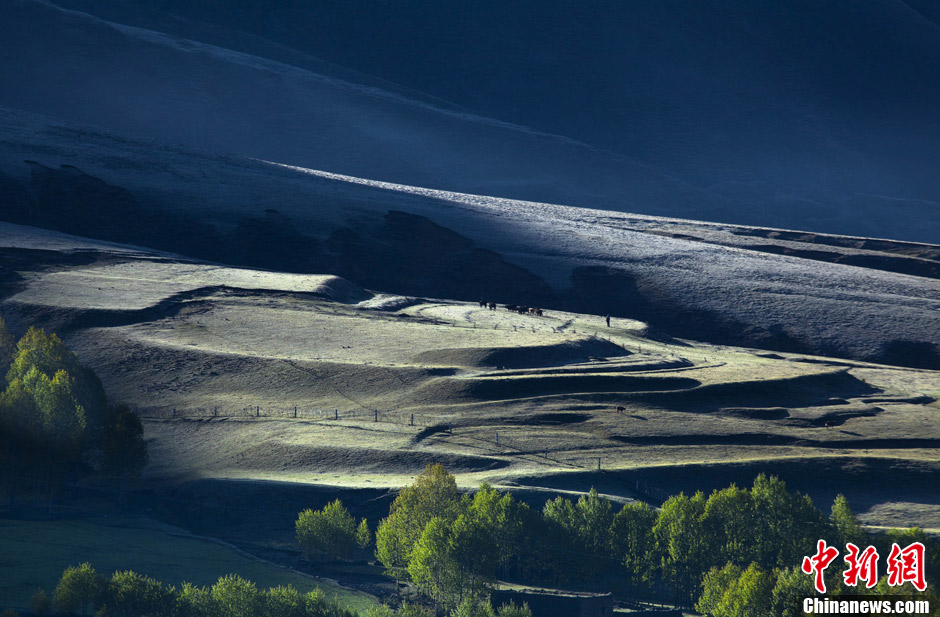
330	532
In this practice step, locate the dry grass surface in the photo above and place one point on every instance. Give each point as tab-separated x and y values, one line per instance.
521	401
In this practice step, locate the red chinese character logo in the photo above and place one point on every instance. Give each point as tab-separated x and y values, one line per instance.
907	565
864	566
819	562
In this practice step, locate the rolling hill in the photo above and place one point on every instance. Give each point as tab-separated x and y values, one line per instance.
812	116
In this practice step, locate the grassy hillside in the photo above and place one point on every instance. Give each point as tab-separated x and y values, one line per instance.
36	552
218	360
809	115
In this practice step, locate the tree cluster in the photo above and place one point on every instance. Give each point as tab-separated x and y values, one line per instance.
450	546
55	419
331	533
755	590
82	591
736	543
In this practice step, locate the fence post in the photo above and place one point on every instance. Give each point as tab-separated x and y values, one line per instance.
412	419
258	411
598	463
215	412
174	412
497	438
336	414
295	411
375	415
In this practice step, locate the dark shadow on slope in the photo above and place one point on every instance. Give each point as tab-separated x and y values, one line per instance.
69	200
533	356
412	255
604	290
917	354
797	392
864	481
504	388
402	253
254	510
901	265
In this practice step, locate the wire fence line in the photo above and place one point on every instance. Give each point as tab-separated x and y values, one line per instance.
503	442
298	412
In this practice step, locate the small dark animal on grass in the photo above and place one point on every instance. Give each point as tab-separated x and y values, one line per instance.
492	306
830	424
621	409
511	307
482	303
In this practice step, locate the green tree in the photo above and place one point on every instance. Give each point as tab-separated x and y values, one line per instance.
330	532
472	607
379	610
123	449
730	524
846	525
903	538
79	589
484	536
393	545
787	525
511	609
283	602
63	424
236	597
432	565
432	495
122	444
39	603
715	585
22	446
413	610
49	355
790	587
130	594
363	535
595	516
680	545
732	592
193	601
632	541
583	546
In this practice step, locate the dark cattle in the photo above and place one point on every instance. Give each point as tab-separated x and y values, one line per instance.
482	303
511	307
522	310
492	306
538	312
621	409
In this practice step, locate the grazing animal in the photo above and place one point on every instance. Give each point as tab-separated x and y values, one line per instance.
492	306
621	409
538	312
511	307
522	310
482	303
830	424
